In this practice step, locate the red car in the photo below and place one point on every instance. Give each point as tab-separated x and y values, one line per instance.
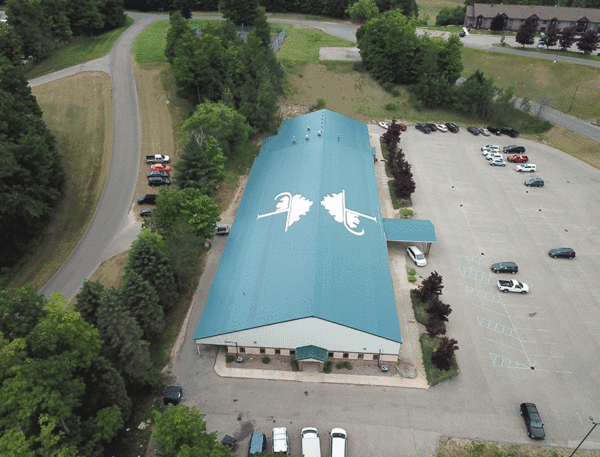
402	127
518	159
160	167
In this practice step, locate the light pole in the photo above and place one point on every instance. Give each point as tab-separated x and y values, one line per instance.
592	429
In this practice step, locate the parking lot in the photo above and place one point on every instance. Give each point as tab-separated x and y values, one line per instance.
482	214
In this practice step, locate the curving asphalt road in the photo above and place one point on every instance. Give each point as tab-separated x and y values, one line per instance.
111	229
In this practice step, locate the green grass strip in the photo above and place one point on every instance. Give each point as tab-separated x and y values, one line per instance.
82	50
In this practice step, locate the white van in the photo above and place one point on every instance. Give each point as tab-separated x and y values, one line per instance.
311	444
339	440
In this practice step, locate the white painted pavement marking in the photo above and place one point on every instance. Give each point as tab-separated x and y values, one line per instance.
500	361
474	274
485	295
496	327
490	310
476	258
505	345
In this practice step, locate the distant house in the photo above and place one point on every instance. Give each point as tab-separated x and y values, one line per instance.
480	16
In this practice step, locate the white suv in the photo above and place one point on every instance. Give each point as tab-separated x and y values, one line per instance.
416	255
530	167
339	440
280	440
494	155
491	146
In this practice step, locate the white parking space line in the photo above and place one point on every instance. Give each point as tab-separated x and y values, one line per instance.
485	295
491	310
474	274
497	327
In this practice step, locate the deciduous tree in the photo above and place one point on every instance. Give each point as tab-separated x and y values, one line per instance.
239	12
526	33
550	38
444	354
10	43
588	42
362	10
450	16
438	310
567	37
20	314
430	288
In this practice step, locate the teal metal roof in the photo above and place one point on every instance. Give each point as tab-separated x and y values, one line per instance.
409	230
307	240
311	352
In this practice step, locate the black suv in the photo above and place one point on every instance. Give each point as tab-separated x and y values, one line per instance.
533	421
452	127
148	198
423	128
565	253
164	174
494	130
509	131
513	149
172	395
473	130
158	181
505	267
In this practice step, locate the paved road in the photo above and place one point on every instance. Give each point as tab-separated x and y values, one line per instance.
111	230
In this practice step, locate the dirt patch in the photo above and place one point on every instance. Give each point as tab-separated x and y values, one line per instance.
156	124
578	146
110	272
78	111
350	93
461	447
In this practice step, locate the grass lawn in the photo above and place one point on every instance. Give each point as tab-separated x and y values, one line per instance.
82	50
302	44
567	87
429	9
77	110
460	447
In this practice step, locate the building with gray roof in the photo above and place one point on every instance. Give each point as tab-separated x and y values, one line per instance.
306	262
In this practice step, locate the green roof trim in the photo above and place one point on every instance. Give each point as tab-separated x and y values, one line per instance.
415	230
311	352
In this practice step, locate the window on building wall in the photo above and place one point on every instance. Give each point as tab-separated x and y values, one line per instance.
262	351
242	350
553	21
361	356
345	355
277	351
330	355
292	352
582	26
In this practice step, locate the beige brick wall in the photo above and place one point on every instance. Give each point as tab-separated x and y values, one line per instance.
252	350
338	355
285	352
270	351
368	356
353	356
389	358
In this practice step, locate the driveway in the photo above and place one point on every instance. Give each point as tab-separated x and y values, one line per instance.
540	347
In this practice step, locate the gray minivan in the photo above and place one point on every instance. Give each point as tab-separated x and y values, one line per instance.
258	443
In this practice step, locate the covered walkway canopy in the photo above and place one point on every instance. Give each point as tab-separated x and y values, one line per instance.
410	230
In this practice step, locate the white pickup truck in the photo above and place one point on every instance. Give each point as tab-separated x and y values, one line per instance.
512	285
158	158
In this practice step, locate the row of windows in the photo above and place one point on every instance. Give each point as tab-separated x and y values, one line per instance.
345	355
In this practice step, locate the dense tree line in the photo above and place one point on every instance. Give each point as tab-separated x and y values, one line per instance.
31	176
330	8
404	184
42	25
450	16
587	42
217	66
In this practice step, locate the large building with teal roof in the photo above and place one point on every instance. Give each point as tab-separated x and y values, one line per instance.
306	262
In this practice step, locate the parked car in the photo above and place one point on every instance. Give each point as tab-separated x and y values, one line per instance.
158	158
164	174
384	125
565	253
484	132
534	182
452	127
281	442
154	181
146	212
311	444
512	285
441	127
222	229
509	131
339	442
494	130
497	162
149	199
473	130
533	421
530	167
172	395
258	443
513	149
401	126
423	128
491	146
505	267
518	158
462	34
160	167
432	127
494	155
416	255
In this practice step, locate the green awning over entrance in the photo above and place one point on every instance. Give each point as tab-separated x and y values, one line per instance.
415	230
311	353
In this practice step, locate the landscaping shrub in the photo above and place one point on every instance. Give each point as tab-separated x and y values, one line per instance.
346	365
321	104
412	272
391	106
328	367
405	213
295	365
412	279
266	360
229	358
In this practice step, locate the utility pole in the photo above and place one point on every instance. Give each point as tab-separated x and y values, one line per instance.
592	429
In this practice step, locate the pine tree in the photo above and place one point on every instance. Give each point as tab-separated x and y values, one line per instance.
140	298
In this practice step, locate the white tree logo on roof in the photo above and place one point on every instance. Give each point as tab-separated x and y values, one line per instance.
295	206
336	206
